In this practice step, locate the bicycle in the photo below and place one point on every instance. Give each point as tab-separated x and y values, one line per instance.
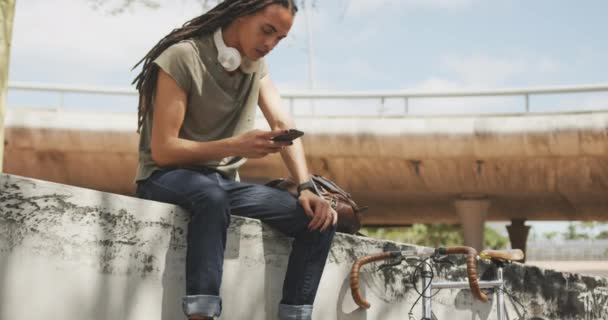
439	255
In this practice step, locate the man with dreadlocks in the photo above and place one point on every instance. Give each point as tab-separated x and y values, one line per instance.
198	93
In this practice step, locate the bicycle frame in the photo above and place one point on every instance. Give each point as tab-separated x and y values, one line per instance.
498	257
429	285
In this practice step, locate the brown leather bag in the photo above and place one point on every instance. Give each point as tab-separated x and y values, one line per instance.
349	213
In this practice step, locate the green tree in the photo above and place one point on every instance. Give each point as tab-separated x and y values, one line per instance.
112	8
573	234
493	239
550	235
602	235
434	235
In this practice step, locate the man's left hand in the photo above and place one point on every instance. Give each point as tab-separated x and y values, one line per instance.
318	209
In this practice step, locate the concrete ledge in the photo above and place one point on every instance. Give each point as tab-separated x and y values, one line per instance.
72	253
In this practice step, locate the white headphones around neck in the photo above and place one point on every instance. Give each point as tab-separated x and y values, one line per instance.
230	58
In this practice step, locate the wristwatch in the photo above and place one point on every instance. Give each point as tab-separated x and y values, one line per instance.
308	185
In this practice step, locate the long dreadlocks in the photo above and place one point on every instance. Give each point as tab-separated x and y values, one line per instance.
220	16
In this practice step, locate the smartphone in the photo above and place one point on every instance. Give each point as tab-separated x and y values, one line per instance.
290	135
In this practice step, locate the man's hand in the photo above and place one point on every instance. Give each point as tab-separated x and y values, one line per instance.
318	209
258	143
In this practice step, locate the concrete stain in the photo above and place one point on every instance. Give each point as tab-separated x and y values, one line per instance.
23	216
545	294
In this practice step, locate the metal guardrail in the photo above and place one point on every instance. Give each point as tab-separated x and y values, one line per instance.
567	250
292	96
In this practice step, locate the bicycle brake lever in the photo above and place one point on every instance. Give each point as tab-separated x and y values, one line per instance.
442	259
392	264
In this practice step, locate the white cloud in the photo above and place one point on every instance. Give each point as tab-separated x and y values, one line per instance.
71	40
482	70
548	65
360	7
438	84
470	73
462	73
67	41
479	72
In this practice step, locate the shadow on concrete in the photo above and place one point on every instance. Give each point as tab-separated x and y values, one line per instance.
276	248
116	226
346	309
173	281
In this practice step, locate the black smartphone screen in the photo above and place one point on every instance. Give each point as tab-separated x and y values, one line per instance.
291	134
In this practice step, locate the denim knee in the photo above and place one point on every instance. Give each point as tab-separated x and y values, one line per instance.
210	196
318	237
212	203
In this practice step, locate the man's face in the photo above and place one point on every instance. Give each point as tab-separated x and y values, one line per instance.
259	33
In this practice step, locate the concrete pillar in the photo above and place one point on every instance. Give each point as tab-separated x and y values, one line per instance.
472	213
7	12
518	234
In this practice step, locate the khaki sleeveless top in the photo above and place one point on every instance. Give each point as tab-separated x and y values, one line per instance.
219	105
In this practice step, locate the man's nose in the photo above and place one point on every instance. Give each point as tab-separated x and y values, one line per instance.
270	43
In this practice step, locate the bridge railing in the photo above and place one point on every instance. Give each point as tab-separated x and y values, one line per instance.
567	250
400	101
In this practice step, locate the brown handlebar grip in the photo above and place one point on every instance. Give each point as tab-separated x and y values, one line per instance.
354	275
471	269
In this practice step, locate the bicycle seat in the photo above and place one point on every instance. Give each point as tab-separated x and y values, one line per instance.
511	255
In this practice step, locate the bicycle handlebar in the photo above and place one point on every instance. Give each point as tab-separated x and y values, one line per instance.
354	275
471	268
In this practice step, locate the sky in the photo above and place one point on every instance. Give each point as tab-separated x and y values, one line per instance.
358	45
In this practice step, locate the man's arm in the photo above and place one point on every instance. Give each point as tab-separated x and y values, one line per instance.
279	119
293	156
169	149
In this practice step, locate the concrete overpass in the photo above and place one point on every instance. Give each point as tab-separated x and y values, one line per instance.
408	169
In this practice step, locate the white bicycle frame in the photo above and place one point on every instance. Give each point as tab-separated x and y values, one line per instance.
498	257
429	285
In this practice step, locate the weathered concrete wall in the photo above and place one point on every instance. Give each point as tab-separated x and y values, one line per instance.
71	253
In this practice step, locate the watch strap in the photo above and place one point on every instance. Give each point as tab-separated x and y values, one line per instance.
308	185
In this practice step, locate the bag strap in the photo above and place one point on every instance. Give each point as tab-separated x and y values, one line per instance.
330	185
333	187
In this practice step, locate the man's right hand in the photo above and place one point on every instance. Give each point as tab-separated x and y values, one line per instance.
257	143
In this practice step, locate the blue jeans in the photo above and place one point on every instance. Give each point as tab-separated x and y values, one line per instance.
211	199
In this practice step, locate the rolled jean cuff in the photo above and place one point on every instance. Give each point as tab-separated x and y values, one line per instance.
205	305
291	312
